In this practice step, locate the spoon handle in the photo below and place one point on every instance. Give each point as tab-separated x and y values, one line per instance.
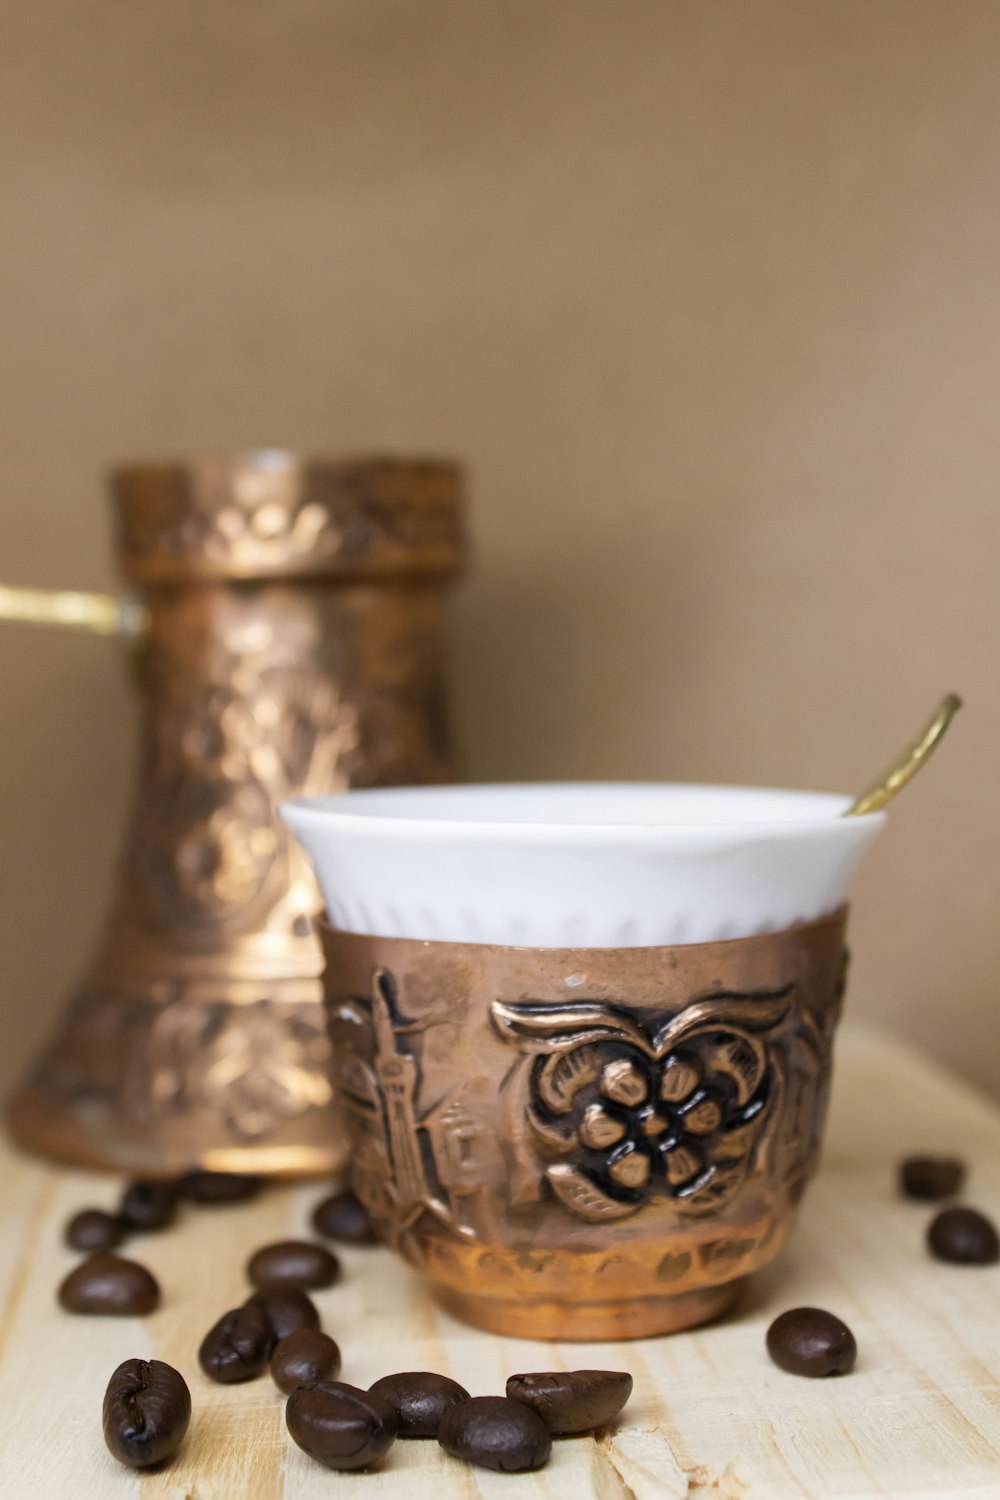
906	766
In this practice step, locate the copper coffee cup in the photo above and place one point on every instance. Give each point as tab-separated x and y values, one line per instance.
583	1141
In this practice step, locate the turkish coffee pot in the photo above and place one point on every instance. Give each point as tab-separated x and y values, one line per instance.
287	630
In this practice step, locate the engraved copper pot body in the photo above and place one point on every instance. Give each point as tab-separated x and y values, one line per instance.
585	1143
289	638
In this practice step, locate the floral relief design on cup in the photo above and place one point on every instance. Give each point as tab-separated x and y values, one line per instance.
618	1113
411	1160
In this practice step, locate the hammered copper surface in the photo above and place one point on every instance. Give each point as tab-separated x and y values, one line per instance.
585	1143
295	645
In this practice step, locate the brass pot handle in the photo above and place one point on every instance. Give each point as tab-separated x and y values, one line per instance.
69	609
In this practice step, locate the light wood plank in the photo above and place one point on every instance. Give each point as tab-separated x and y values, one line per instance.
710	1417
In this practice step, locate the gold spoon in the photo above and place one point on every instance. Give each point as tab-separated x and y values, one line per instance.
906	766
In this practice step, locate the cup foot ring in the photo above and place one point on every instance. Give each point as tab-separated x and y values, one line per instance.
645	1317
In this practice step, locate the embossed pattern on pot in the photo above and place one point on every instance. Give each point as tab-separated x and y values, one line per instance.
275	663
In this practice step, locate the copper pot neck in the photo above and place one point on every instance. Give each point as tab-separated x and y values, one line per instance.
276	514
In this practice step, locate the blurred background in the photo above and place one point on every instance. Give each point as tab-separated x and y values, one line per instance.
707	298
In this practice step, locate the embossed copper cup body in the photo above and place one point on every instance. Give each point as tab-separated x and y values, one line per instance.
585	1143
294	617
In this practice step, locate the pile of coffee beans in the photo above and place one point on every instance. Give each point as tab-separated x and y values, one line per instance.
931	1177
293	1263
147	1207
288	1309
340	1426
963	1236
303	1358
344	1427
93	1230
147	1406
419	1400
494	1432
238	1346
343	1217
575	1401
215	1188
810	1341
111	1285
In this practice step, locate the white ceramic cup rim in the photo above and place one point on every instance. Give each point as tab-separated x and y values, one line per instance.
360	809
580	864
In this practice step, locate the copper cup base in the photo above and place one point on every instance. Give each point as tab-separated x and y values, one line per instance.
587	1322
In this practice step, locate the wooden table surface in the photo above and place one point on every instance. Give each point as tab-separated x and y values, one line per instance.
710	1416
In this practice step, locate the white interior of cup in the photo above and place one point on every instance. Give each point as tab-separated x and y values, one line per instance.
580	864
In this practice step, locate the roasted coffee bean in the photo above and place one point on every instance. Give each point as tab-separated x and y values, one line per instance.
288	1309
147	1408
147	1206
420	1399
963	1236
219	1187
930	1177
344	1217
571	1401
238	1346
93	1229
494	1432
809	1341
293	1263
342	1427
110	1285
303	1358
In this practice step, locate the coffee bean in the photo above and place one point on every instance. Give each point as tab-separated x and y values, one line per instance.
344	1217
303	1358
219	1187
571	1401
342	1427
809	1341
494	1432
964	1237
147	1408
93	1229
238	1346
293	1263
420	1399
929	1177
110	1285
288	1309
147	1206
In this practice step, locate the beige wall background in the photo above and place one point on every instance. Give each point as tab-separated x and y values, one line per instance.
707	295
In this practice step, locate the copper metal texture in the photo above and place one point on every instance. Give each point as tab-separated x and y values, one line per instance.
294	645
585	1143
